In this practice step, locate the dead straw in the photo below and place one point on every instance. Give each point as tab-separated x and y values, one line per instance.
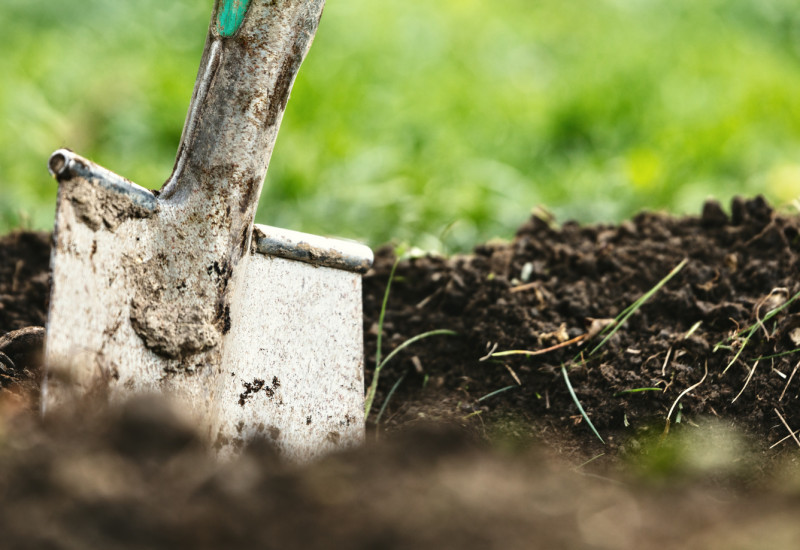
684	392
784	439
538	351
746	382
791	431
786	387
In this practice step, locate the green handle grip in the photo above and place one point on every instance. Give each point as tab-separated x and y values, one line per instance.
230	15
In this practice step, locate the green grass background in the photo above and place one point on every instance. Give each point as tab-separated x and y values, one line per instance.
436	122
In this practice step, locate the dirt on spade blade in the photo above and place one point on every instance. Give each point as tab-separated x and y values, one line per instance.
474	448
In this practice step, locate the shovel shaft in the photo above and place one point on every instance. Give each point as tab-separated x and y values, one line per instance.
252	54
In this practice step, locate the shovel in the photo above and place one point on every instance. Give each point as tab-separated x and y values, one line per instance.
255	330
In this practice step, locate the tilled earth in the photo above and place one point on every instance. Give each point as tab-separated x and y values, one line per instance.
551	284
474	448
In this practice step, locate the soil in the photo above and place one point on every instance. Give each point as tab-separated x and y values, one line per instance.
474	448
553	284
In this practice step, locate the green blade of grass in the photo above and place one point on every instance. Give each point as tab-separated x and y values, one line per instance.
775	356
612	327
751	330
633	308
373	387
389	397
501	390
578	404
636	390
383	312
418	337
750	333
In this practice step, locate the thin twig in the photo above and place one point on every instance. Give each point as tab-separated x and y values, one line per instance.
589	461
761	304
758	314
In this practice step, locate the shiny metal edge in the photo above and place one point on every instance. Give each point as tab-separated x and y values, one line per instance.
65	165
312	249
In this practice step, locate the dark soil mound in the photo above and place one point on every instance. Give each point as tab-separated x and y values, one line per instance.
24	280
24	290
454	461
547	286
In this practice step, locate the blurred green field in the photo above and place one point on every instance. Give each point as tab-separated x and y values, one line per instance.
440	123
